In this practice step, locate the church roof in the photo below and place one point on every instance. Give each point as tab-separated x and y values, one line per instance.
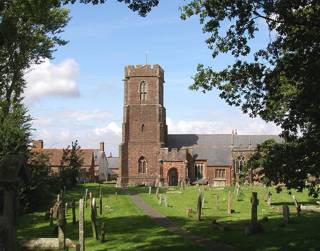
113	162
216	148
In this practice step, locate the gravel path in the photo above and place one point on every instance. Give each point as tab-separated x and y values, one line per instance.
167	223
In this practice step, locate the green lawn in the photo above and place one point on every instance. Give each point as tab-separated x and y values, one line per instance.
126	226
302	234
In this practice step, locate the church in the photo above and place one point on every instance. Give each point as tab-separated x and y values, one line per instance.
149	155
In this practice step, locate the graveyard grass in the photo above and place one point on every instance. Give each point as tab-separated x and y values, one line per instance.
128	228
301	234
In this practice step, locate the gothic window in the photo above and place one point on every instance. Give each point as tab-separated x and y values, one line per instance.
239	164
220	173
142	165
199	171
143	91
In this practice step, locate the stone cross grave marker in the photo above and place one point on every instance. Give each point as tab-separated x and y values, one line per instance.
94	218
81	225
286	214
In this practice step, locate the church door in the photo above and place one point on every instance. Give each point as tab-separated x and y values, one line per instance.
173	177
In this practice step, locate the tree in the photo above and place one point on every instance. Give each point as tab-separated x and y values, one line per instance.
72	160
278	82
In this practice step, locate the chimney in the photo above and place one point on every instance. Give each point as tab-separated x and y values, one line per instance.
102	146
37	144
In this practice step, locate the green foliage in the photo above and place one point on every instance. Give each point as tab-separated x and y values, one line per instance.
278	82
41	187
72	160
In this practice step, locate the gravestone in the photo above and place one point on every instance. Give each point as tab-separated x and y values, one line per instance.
269	198
51	216
102	233
100	203
94	218
160	199
298	206
229	202
73	206
286	214
157	193
238	191
199	206
90	199
202	203
81	225
255	226
189	212
86	197
149	190
62	227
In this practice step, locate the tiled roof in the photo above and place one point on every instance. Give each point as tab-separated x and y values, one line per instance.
113	162
216	148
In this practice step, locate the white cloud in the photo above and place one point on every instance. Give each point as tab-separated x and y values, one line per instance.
48	79
111	127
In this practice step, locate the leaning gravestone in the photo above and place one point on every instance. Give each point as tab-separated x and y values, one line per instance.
86	197
94	219
81	225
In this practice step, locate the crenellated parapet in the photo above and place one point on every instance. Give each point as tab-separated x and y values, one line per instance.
143	70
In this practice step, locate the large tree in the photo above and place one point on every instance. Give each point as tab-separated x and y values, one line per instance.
278	82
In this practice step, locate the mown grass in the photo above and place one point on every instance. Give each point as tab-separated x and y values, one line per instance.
302	234
126	226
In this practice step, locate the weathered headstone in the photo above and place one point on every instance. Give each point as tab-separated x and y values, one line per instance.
90	199
269	198
298	206
81	225
73	206
102	233
255	226
199	206
238	191
286	214
157	192
149	190
229	203
202	202
86	197
62	227
94	218
165	201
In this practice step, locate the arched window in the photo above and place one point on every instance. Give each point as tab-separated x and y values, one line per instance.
142	165
143	91
240	162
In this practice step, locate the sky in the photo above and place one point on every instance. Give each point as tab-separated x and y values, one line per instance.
79	94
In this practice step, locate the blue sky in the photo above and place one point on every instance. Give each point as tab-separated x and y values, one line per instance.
79	94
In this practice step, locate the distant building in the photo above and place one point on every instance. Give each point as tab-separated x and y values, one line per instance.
94	166
148	154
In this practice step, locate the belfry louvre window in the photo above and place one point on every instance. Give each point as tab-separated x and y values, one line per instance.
220	173
142	165
199	171
143	91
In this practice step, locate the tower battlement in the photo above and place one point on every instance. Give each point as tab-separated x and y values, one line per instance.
143	70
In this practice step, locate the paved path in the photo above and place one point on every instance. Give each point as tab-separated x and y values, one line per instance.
165	222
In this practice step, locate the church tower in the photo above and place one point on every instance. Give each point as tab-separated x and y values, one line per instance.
144	129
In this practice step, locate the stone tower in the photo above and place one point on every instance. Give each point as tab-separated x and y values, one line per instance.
144	129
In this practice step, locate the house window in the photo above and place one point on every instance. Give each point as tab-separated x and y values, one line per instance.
1	202
143	91
220	173
142	165
199	171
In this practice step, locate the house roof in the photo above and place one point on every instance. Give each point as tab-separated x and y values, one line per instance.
113	162
216	148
